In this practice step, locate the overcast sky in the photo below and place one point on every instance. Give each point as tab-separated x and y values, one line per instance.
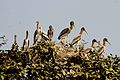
101	18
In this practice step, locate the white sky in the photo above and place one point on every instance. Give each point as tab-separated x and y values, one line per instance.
101	18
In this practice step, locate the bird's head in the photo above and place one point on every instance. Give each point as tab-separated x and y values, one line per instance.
37	22
83	29
94	40
72	24
15	36
50	27
106	40
15	39
27	34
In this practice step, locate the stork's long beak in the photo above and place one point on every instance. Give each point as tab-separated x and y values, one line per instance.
86	32
108	42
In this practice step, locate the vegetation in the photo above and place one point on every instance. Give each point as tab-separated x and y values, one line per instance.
43	62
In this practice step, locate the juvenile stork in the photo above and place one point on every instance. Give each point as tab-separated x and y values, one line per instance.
37	33
91	49
14	45
26	42
50	33
66	31
78	37
44	37
103	46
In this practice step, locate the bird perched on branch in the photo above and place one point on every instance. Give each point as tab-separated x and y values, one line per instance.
50	33
66	31
14	45
78	37
37	33
103	46
91	49
26	42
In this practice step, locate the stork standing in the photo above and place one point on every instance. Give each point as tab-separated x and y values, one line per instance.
26	42
89	50
78	37
103	46
14	45
66	31
37	33
50	33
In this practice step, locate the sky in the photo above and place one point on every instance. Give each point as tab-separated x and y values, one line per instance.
100	18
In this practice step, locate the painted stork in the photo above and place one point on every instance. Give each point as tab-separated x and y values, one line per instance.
14	45
103	46
91	48
26	42
37	33
88	51
78	37
66	31
50	33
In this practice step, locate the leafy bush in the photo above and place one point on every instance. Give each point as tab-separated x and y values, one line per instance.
43	62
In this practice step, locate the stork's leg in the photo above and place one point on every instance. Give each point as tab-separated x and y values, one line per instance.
77	46
64	42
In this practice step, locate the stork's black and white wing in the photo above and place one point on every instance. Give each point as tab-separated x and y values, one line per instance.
75	40
64	33
35	34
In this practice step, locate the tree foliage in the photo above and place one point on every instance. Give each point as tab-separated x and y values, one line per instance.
41	62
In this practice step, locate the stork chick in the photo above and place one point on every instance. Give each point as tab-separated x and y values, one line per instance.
50	33
88	51
78	37
91	48
14	45
37	33
26	42
103	46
